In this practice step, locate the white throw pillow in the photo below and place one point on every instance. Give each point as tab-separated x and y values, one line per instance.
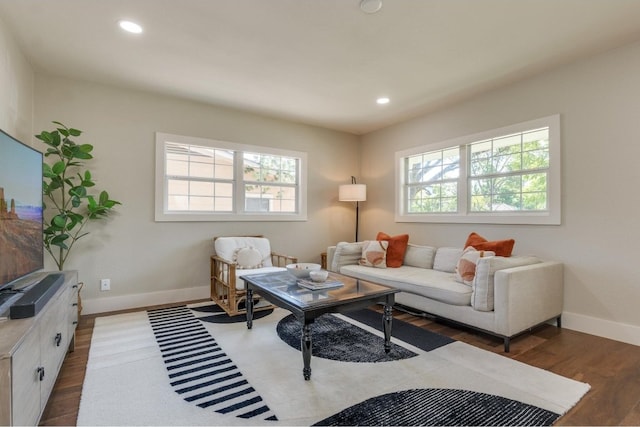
247	258
419	256
466	267
374	253
346	254
446	259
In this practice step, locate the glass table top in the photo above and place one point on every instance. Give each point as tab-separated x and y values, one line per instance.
285	286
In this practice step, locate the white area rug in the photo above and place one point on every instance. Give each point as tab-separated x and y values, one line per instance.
127	381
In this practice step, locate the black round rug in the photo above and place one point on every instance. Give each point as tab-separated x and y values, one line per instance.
440	407
335	339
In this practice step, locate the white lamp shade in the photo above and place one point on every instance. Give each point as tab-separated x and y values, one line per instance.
352	193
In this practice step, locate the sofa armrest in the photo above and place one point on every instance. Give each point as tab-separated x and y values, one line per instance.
331	251
528	295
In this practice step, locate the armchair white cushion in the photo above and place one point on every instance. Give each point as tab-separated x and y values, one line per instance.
227	248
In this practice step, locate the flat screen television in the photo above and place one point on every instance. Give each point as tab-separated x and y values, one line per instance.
21	216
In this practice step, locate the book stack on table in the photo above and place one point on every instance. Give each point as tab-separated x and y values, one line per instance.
315	286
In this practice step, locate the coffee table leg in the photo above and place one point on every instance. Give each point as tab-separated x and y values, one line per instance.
305	343
249	304
387	317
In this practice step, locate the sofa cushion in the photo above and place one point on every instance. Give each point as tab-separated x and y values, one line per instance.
483	289
225	247
500	247
437	285
374	253
466	267
346	254
446	259
419	256
397	248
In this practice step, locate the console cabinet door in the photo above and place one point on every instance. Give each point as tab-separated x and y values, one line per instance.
53	344
25	380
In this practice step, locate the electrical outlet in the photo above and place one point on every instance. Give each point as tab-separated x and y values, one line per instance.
105	284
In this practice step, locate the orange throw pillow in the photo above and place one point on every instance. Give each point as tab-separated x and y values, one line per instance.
397	248
500	247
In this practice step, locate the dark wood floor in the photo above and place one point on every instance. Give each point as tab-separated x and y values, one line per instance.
611	367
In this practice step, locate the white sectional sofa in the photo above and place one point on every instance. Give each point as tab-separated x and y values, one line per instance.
508	295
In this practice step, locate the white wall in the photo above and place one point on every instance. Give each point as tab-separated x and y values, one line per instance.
16	89
599	103
152	262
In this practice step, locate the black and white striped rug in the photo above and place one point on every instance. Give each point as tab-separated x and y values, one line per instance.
176	367
200	371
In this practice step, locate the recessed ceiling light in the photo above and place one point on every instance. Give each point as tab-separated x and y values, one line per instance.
370	6
130	26
382	100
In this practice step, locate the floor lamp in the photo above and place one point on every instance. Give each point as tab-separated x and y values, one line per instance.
353	193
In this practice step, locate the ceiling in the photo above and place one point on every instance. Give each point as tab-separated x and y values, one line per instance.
321	62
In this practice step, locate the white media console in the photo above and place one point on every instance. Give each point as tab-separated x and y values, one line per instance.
31	353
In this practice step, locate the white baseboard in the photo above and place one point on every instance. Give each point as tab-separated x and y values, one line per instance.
602	328
124	302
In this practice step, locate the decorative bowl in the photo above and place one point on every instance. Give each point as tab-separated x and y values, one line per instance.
318	275
301	269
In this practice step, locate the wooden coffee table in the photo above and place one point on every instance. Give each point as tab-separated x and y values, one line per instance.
282	290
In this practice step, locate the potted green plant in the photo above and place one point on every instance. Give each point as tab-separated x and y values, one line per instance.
65	189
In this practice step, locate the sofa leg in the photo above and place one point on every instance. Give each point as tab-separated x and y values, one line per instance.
507	341
559	321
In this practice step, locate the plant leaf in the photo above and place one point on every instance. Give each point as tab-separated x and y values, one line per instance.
47	172
86	148
59	241
59	221
104	196
55	139
82	155
58	168
78	191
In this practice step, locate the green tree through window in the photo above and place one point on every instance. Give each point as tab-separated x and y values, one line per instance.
509	173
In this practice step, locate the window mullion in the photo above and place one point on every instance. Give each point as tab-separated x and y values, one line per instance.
463	185
238	184
507	174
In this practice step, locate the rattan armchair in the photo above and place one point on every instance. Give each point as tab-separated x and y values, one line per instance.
227	289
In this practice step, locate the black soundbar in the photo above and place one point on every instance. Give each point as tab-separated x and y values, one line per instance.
36	297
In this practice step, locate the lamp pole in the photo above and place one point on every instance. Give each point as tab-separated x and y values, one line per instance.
357	217
353	192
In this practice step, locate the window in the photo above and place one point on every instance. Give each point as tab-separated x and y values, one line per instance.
509	175
205	180
432	181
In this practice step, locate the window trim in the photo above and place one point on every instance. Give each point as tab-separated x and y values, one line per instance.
161	213
552	216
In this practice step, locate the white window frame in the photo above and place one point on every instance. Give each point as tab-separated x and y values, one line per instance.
238	214
551	216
